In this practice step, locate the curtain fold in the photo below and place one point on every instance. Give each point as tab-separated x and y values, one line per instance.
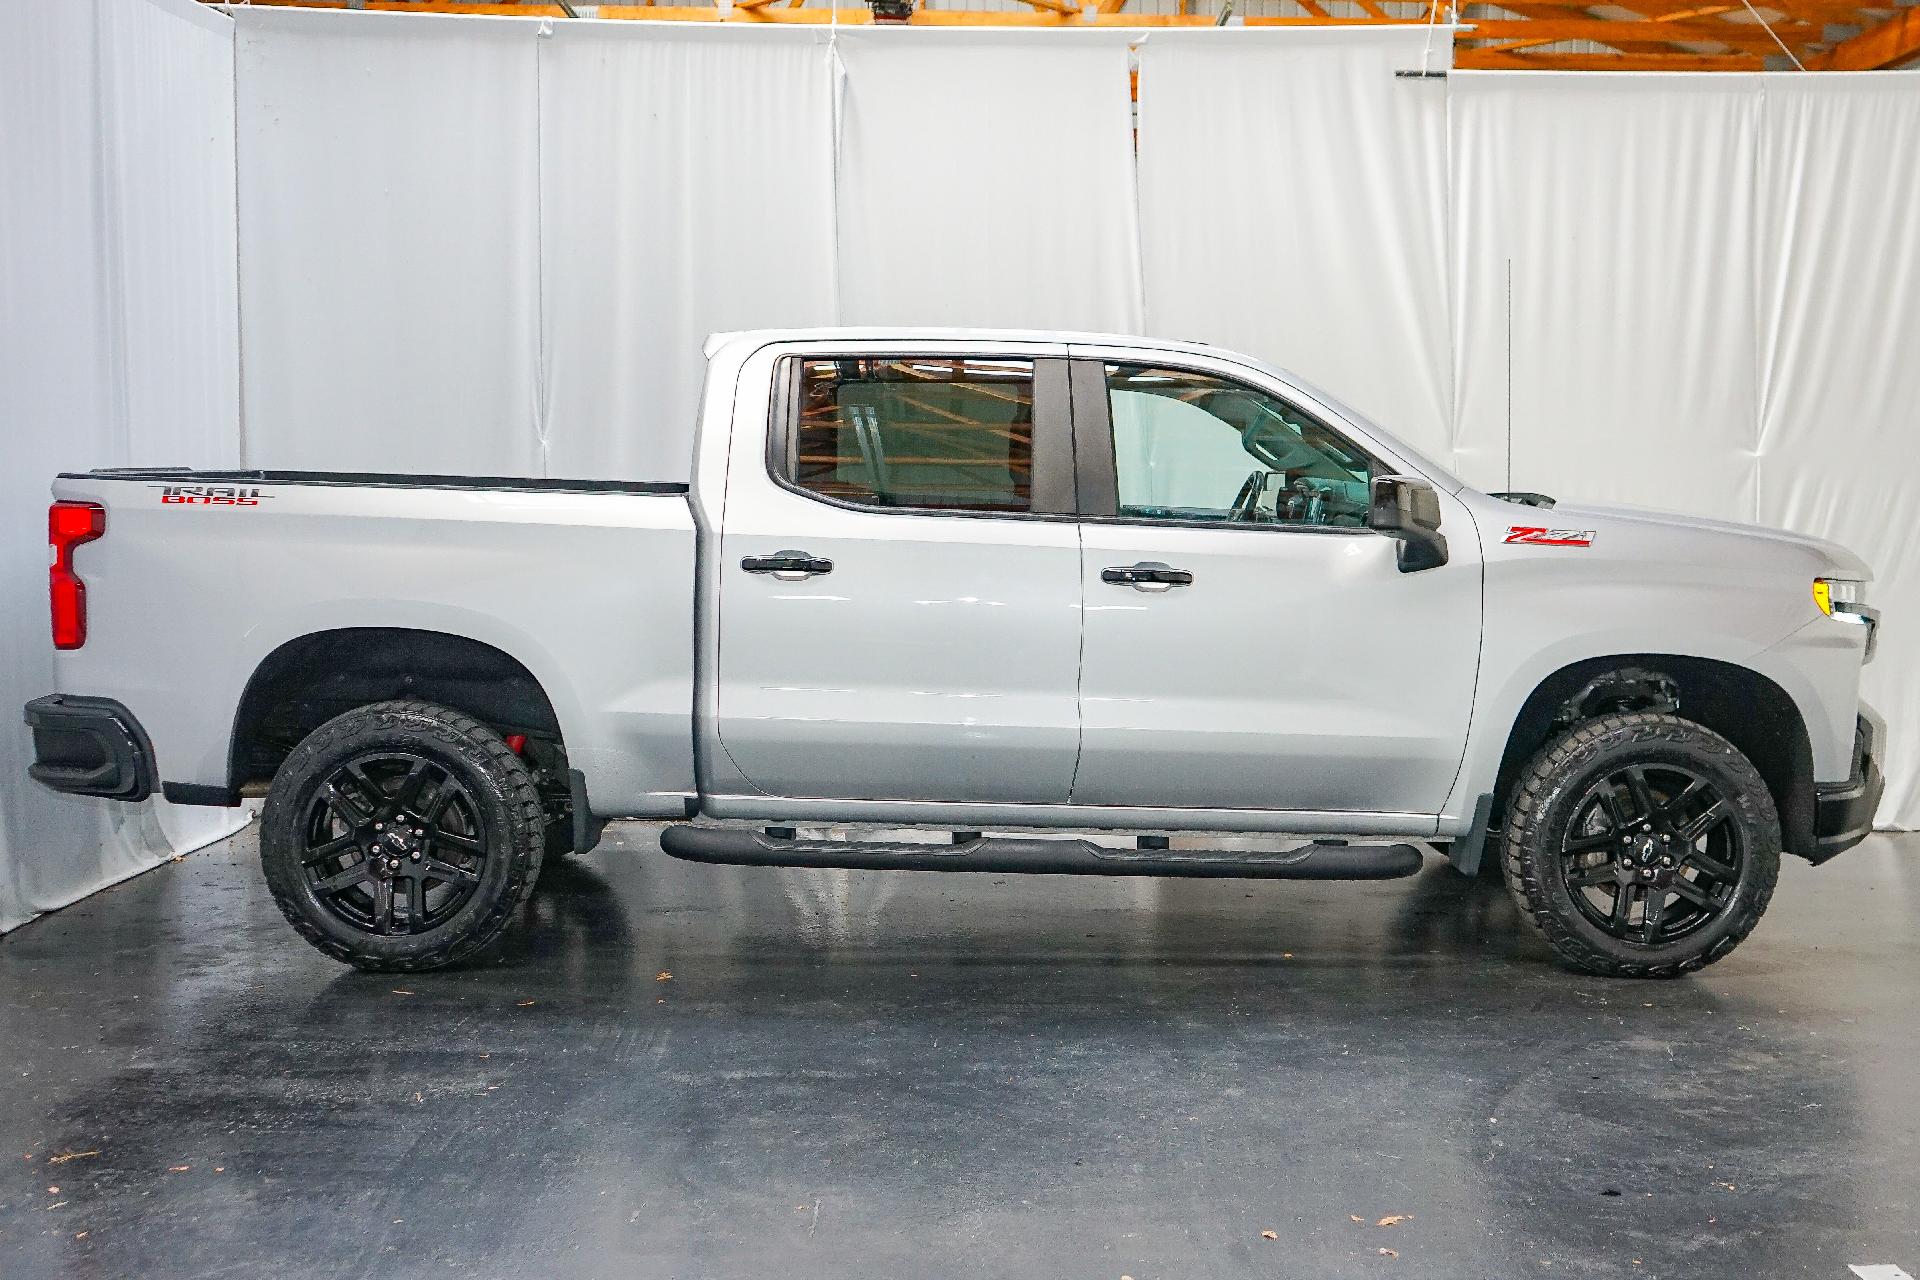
118	333
1606	305
986	179
1838	274
1293	206
388	241
686	188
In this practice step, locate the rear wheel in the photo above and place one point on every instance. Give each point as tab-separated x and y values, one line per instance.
401	836
1642	845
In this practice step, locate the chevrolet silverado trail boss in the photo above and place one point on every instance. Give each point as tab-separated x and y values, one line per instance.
969	601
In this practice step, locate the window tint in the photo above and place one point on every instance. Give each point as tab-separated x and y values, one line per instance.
1187	446
953	434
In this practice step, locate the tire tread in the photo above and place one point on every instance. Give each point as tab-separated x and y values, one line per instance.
1525	859
454	730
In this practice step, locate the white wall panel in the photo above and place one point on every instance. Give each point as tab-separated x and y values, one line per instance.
1839	273
388	242
117	336
686	180
1606	305
986	179
1293	206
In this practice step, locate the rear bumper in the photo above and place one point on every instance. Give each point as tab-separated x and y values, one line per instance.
89	747
1843	811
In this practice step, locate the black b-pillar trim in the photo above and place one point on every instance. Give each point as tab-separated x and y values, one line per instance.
1052	438
1093	465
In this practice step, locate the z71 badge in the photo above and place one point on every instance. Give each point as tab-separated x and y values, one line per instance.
210	495
1550	537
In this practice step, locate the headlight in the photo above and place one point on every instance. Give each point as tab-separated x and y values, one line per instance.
1839	595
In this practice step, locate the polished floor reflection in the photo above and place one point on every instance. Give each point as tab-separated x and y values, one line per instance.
673	1070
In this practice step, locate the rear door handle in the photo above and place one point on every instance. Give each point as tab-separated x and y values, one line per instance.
788	566
1148	575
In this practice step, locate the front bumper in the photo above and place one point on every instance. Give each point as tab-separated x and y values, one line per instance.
1843	811
89	747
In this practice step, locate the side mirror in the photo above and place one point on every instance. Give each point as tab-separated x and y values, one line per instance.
1407	509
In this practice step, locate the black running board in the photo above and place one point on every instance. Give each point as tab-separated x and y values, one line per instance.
738	846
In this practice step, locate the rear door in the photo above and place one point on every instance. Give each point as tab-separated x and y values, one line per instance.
1249	643
899	612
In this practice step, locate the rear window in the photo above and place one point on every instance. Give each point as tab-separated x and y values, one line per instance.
936	433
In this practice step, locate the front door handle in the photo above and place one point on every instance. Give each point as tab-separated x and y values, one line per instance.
1148	575
788	566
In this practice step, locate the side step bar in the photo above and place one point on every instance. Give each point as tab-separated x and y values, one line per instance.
739	846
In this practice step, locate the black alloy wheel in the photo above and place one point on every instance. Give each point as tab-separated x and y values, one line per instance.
1641	844
393	844
1651	854
402	836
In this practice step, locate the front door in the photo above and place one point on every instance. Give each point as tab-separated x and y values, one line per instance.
900	580
1249	643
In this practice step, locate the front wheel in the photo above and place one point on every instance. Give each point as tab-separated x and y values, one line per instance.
401	836
1642	845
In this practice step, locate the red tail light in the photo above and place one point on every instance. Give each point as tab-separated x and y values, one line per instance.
68	525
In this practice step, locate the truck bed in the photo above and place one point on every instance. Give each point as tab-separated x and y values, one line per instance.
202	574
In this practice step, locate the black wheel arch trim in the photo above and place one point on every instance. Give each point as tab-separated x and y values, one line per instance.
247	712
1764	723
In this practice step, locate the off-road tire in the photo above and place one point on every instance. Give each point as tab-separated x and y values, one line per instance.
512	824
1542	803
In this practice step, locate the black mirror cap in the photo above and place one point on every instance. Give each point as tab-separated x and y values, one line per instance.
1407	508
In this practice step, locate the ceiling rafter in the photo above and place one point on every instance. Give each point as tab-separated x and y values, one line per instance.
1582	35
1887	45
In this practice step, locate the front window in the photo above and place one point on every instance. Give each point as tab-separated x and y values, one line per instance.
1189	446
938	433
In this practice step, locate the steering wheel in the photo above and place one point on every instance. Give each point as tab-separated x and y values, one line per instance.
1246	503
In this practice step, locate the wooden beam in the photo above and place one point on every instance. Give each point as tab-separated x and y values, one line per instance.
1530	32
1606	31
1496	60
986	18
661	12
1818	11
1253	21
1893	41
862	17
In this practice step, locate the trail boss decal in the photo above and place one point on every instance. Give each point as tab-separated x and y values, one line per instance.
209	495
1549	537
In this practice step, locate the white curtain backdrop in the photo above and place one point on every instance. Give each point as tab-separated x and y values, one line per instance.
1701	292
1839	351
1293	204
686	188
117	345
986	178
495	245
389	241
1605	258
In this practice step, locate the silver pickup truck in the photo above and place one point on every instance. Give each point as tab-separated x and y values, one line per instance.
969	601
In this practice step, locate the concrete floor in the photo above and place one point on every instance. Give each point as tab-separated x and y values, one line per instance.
911	1075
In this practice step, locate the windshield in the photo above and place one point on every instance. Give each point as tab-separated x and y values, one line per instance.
1440	475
